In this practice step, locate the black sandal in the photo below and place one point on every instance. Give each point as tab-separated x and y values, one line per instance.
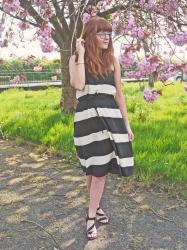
88	231
104	217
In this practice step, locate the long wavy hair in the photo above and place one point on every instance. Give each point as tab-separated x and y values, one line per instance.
97	61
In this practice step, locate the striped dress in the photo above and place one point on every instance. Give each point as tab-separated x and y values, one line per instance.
100	135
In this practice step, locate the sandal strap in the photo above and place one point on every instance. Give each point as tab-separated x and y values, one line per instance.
99	214
88	230
90	218
103	218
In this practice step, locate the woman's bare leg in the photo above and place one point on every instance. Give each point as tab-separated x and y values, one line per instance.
88	179
88	182
96	191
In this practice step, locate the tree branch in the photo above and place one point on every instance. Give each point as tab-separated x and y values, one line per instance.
59	34
112	10
19	18
26	5
71	15
57	8
60	15
123	7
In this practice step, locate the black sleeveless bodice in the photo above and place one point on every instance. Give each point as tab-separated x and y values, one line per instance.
101	84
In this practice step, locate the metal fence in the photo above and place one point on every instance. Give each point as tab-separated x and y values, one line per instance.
40	80
29	76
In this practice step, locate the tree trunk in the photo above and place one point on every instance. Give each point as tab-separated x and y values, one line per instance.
68	100
151	81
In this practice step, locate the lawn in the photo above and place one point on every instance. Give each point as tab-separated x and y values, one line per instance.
160	143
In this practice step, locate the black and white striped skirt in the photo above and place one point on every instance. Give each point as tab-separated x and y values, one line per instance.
101	138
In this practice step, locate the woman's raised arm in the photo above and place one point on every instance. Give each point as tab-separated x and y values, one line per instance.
77	69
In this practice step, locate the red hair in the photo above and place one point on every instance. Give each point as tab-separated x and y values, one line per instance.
95	62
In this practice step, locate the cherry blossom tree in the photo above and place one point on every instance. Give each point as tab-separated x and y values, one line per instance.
143	27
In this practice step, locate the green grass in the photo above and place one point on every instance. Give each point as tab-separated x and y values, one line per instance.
35	116
160	145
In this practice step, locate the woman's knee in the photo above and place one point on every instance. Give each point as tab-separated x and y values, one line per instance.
99	178
88	176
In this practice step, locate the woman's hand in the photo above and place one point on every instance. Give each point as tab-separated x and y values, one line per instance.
80	46
130	133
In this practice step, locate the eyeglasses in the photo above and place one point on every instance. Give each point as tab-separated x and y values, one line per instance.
102	35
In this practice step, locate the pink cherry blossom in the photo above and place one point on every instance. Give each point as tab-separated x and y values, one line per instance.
29	60
45	36
131	28
166	70
144	67
38	68
58	71
127	59
130	74
39	2
86	18
167	8
91	12
53	78
185	69
15	80
150	95
23	14
104	5
23	25
178	38
11	5
127	55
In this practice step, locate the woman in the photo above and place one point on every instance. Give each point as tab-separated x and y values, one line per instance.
102	133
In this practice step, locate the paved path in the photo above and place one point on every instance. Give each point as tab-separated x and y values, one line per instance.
43	202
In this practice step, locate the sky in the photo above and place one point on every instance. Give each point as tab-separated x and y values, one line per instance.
26	48
29	47
33	48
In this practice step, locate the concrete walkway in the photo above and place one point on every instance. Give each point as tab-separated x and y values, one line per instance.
43	202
